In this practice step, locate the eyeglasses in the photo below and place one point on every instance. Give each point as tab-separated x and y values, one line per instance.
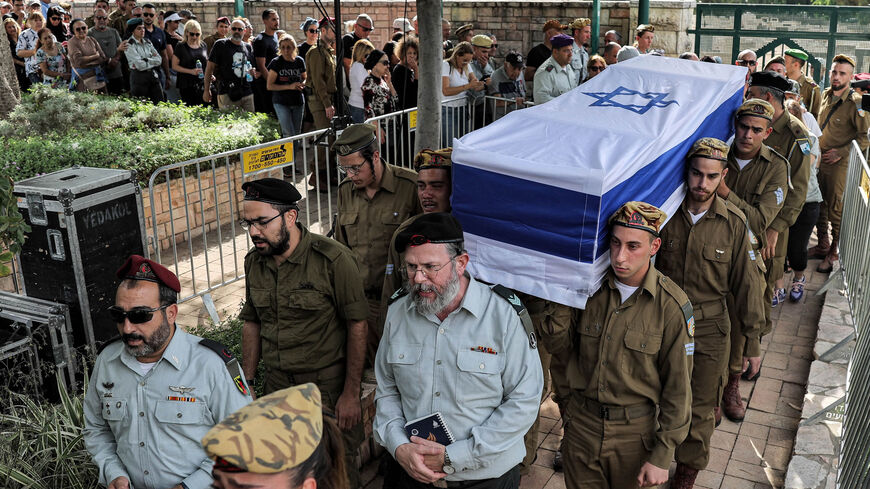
746	62
238	29
385	62
596	68
258	223
193	34
54	18
137	315
82	29
350	170
101	17
312	31
366	29
428	270
146	14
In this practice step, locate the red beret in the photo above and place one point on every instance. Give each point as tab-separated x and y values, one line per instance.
140	268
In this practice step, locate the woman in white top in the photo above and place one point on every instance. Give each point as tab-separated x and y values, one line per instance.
456	79
358	74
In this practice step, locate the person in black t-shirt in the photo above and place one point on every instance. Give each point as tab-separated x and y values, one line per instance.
231	61
158	40
285	81
265	50
361	30
542	51
311	32
184	59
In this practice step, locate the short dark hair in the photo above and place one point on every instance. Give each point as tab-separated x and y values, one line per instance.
167	295
268	13
777	95
779	60
149	5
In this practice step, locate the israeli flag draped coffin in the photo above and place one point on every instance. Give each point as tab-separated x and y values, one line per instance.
534	190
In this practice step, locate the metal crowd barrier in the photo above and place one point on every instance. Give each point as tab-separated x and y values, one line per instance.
854	466
196	204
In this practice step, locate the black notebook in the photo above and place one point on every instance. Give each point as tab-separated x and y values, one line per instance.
432	428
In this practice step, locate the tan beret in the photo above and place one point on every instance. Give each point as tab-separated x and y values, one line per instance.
842	58
481	41
463	29
433	158
580	23
757	108
272	434
712	148
639	215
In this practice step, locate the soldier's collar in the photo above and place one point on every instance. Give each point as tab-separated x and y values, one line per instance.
649	283
298	255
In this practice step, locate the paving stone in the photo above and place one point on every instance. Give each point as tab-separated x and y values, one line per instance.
775	360
709	479
748	449
718	460
754	430
827	375
557	481
814	439
764	400
551	442
536	478
545	458
804	473
722	439
777	457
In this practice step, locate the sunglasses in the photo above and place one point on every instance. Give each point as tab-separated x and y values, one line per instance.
54	18
366	29
147	15
312	31
238	29
101	17
745	62
495	45
137	15
82	29
137	315
596	68
193	34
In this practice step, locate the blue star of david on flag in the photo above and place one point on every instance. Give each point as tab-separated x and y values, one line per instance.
608	99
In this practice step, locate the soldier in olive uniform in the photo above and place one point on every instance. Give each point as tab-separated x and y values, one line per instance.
757	183
320	67
791	139
811	94
304	308
841	120
629	358
707	251
373	200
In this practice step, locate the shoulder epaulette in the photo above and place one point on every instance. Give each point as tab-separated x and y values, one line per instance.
326	247
549	68
107	343
230	361
677	293
402	292
405	174
787	165
521	310
732	208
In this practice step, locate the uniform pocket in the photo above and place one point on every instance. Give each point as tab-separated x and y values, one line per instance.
262	301
404	360
590	340
717	259
638	357
178	412
348	222
479	381
114	409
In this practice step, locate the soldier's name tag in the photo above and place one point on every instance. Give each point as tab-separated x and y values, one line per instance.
690	349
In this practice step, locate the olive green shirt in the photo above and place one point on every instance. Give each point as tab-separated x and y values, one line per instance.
320	64
846	124
635	352
759	189
366	225
791	139
811	95
713	258
304	304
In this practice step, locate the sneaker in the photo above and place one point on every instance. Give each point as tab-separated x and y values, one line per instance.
778	297
797	289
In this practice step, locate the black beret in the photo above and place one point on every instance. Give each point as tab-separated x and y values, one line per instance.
862	84
271	191
140	268
769	79
437	227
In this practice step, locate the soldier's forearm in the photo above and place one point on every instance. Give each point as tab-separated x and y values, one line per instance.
356	354
250	348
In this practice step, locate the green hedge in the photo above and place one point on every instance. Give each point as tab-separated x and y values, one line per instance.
54	129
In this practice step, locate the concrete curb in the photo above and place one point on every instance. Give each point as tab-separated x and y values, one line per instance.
817	444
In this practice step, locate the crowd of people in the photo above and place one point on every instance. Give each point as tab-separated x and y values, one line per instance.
642	375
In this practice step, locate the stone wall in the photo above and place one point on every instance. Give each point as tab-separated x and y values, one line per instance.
517	25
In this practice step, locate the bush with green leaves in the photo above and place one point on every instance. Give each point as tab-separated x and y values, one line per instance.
52	129
229	333
12	226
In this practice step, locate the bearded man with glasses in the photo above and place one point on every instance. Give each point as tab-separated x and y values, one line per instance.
155	391
304	310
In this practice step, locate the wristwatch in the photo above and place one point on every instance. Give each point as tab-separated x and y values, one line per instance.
448	465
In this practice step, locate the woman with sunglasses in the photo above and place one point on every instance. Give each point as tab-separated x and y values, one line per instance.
56	25
595	66
379	95
189	60
86	56
357	76
51	56
311	30
286	80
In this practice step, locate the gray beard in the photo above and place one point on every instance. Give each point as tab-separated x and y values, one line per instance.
151	345
442	300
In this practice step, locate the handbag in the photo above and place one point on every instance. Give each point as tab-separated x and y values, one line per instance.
93	83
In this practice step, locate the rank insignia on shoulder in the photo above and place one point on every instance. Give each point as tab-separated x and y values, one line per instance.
402	292
690	349
549	68
389	270
780	195
752	255
804	144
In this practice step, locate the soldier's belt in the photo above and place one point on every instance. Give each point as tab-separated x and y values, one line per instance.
333	370
709	309
616	413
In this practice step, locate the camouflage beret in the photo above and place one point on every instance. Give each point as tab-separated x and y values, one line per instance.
272	434
644	28
757	108
433	158
463	29
639	215
580	23
553	24
842	58
712	148
355	138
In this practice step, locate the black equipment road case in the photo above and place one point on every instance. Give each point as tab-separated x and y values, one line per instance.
36	344
85	222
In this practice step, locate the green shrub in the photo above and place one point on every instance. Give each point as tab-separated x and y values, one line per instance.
54	129
229	333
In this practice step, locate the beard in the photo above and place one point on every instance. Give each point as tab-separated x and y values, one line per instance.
149	345
442	299
705	198
275	248
836	87
236	37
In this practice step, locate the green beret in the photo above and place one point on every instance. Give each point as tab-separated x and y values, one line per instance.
271	191
797	53
769	79
135	21
639	215
355	138
756	108
436	227
712	148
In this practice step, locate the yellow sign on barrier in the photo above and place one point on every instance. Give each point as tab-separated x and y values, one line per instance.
864	185
268	157
412	119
